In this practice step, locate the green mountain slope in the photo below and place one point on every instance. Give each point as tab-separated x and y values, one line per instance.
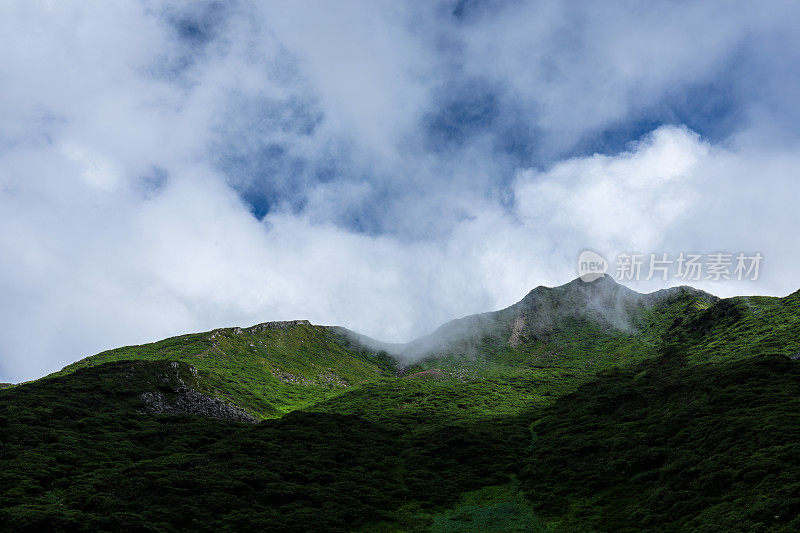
585	407
738	328
82	452
269	369
584	326
670	446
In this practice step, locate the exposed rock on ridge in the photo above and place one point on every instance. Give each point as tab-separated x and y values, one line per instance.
188	401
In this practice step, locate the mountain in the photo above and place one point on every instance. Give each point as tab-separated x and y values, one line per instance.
584	407
582	324
267	369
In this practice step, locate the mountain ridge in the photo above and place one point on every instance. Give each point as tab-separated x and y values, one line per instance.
599	308
273	368
579	408
420	347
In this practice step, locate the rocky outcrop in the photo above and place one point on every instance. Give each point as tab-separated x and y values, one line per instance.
328	378
278	324
187	401
265	326
288	377
516	333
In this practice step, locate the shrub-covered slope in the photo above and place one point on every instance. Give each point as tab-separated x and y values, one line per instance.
586	326
671	446
82	452
583	407
269	369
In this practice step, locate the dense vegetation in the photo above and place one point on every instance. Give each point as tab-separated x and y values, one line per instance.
78	454
713	447
684	417
270	369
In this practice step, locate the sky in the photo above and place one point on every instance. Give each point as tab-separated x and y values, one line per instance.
383	166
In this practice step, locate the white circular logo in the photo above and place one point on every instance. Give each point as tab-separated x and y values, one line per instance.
591	265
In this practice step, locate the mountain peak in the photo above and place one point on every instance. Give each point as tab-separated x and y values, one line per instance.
604	285
601	279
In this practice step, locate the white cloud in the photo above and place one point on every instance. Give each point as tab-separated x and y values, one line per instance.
98	98
627	200
98	271
672	193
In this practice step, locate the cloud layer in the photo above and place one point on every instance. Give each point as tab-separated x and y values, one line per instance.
384	167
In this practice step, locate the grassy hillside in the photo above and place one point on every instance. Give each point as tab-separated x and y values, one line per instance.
79	452
585	327
661	445
738	328
270	369
433	399
586	407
